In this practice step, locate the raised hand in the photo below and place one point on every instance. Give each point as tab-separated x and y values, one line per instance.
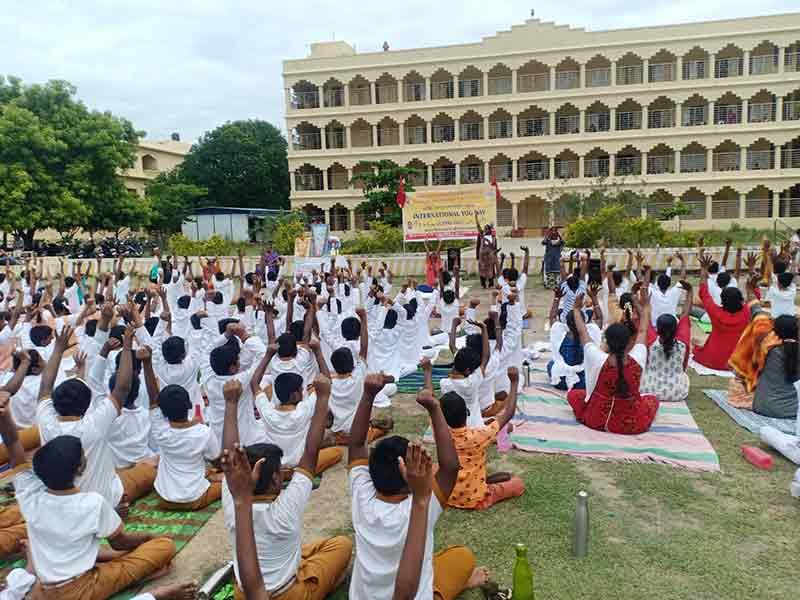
322	386
62	339
513	375
238	475
232	391
417	470
374	382
144	353
427	400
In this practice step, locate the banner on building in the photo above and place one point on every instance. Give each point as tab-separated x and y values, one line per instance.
448	215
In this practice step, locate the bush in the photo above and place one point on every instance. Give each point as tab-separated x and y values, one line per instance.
285	231
214	246
381	238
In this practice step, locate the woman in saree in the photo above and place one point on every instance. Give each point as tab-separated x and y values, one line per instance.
486	253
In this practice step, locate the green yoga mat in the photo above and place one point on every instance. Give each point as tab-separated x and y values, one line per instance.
411	384
706	327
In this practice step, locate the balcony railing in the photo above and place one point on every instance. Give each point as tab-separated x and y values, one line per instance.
598	77
661	72
791	110
305	182
416	134
386	94
763	63
758	160
301	100
335	138
472	174
443	133
334	97
694	69
307	141
469	88
629	120
415	92
470	131
761	112
790	158
629	75
359	96
568	124
727	161
727	114
694	116
444	176
693	163
758	208
725	208
500	85
338	180
698	208
505	217
627	165
568	80
728	67
361	138
388	136
419	179
532	127
598	122
566	169
500	129
502	172
534	82
534	170
790	207
595	167
659	165
661	117
441	90
791	61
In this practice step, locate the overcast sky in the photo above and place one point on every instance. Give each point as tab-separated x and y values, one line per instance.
190	65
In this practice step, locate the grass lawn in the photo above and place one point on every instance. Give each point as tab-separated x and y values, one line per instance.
656	531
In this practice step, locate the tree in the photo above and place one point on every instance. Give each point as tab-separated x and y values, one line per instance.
241	163
380	188
678	209
171	202
60	162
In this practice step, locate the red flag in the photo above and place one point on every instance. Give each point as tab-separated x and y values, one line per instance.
401	193
496	188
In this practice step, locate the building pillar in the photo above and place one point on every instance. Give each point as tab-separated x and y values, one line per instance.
742	158
645	117
400	90
746	66
401	133
711	110
781	59
485	128
485	84
552	78
644	163
709	160
456	93
646	70
349	178
514	76
612	118
293	181
458	173
514	171
612	165
428	94
323	138
324	180
429	169
552	123
581	166
346	94
742	205
779	107
613	72
351	219
347	136
551	168
709	201
515	215
514	125
372	92
745	116
581	121
679	115
712	67
428	132
776	205
373	130
679	66
582	75
676	167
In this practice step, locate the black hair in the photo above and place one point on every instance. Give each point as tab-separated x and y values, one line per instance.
384	469
346	290
785	328
196	322
219	276
465	360
449	296
664	281
779	267
713	267
69	281
474	341
184	301
667	327
217	298
248	277
272	275
174	402
511	274
151	324
491	329
617	276
36	361
60	306
391	319
617	338
99	299
71	398
90	328
351	328
298	330
241	305
39	334
133	393
732	299
723	279
338	305
446	277
454	409
626	305
411	309
117	331
287	384
571	325
272	456
342	361
287	345
573	282
223	324
140	298
58	461
223	358
173	349
503	319
785	279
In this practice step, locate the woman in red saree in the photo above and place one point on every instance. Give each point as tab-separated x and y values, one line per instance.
433	263
611	401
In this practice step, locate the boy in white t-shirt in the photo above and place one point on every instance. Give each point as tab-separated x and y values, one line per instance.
24	389
782	295
287	567
66	524
381	508
467	376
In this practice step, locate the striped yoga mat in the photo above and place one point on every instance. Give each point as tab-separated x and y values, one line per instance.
411	384
751	421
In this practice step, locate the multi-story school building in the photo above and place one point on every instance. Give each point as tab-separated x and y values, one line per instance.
706	113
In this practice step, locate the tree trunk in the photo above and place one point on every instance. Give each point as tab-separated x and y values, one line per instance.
27	238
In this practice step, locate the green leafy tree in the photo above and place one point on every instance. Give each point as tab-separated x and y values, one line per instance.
678	209
171	202
60	162
285	230
240	163
380	188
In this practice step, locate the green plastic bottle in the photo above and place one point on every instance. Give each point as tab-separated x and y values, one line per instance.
523	576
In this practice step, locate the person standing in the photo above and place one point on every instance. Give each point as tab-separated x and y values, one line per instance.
553	243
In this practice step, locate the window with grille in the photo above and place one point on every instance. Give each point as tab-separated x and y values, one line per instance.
694	115
471	131
694	69
598	122
469	87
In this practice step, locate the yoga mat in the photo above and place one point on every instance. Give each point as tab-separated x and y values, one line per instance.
702	370
703	325
751	421
412	383
144	517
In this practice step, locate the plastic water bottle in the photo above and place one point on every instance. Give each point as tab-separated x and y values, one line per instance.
757	457
794	487
523	576
503	439
581	542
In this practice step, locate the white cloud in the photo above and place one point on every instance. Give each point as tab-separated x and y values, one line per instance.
189	66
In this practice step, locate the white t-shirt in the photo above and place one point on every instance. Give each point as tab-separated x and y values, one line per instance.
594	359
278	529
469	389
448	312
121	288
249	430
715	290
184	452
287	429
782	301
304	364
380	534
663	303
346	393
71	295
93	430
64	531
129	435
23	403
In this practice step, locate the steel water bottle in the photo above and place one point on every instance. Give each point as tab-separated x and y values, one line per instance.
581	542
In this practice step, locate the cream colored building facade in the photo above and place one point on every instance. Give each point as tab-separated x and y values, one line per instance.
706	113
153	157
